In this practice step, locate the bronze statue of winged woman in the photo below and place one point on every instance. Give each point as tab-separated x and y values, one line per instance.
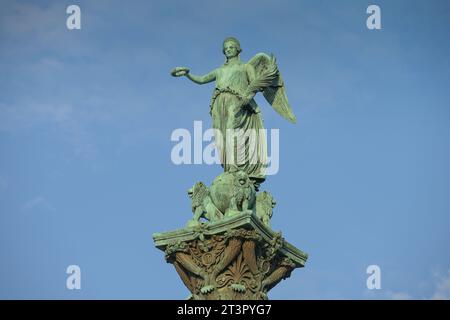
233	108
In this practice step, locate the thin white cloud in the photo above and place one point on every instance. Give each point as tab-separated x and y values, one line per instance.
37	202
439	282
44	23
28	116
442	287
15	118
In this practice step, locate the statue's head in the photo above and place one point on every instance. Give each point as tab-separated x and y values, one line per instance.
242	178
198	188
231	47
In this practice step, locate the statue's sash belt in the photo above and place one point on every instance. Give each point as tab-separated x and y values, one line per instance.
218	91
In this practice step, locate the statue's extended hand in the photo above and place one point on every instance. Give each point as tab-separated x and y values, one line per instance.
179	71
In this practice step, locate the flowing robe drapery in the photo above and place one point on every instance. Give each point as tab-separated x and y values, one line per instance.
239	135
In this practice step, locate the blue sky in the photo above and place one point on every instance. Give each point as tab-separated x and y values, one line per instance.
86	117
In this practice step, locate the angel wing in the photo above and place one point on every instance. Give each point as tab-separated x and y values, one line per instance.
268	80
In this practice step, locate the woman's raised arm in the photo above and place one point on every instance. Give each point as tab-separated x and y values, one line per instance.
207	78
183	71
